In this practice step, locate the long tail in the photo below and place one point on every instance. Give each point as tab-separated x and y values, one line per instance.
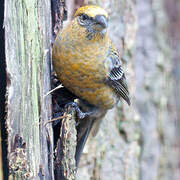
82	140
89	124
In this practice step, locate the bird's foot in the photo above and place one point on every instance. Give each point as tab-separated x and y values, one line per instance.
80	114
58	116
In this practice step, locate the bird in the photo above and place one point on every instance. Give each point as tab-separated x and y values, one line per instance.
89	65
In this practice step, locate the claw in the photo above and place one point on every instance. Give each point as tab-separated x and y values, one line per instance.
80	114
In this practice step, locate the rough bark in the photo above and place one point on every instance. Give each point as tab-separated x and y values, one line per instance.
28	51
150	84
173	139
155	93
65	164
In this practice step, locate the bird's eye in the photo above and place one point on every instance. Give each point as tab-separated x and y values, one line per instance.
84	17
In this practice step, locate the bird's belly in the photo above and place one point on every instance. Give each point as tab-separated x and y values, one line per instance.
95	93
87	82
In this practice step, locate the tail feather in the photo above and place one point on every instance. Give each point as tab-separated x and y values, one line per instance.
82	141
89	124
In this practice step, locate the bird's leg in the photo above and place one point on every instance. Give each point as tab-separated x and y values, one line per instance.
80	114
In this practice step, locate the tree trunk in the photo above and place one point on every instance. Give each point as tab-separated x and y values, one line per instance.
28	53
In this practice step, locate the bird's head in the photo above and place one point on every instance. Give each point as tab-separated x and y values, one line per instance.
94	19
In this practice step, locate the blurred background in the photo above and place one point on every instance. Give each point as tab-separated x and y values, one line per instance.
141	141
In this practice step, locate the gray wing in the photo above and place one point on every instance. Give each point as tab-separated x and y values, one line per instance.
116	77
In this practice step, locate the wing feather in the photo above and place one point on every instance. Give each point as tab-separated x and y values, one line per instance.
116	77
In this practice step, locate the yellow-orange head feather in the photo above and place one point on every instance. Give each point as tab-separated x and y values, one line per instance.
91	11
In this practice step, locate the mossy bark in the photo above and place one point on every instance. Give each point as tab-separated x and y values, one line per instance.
28	51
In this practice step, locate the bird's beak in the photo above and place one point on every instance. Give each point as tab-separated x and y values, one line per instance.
102	21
